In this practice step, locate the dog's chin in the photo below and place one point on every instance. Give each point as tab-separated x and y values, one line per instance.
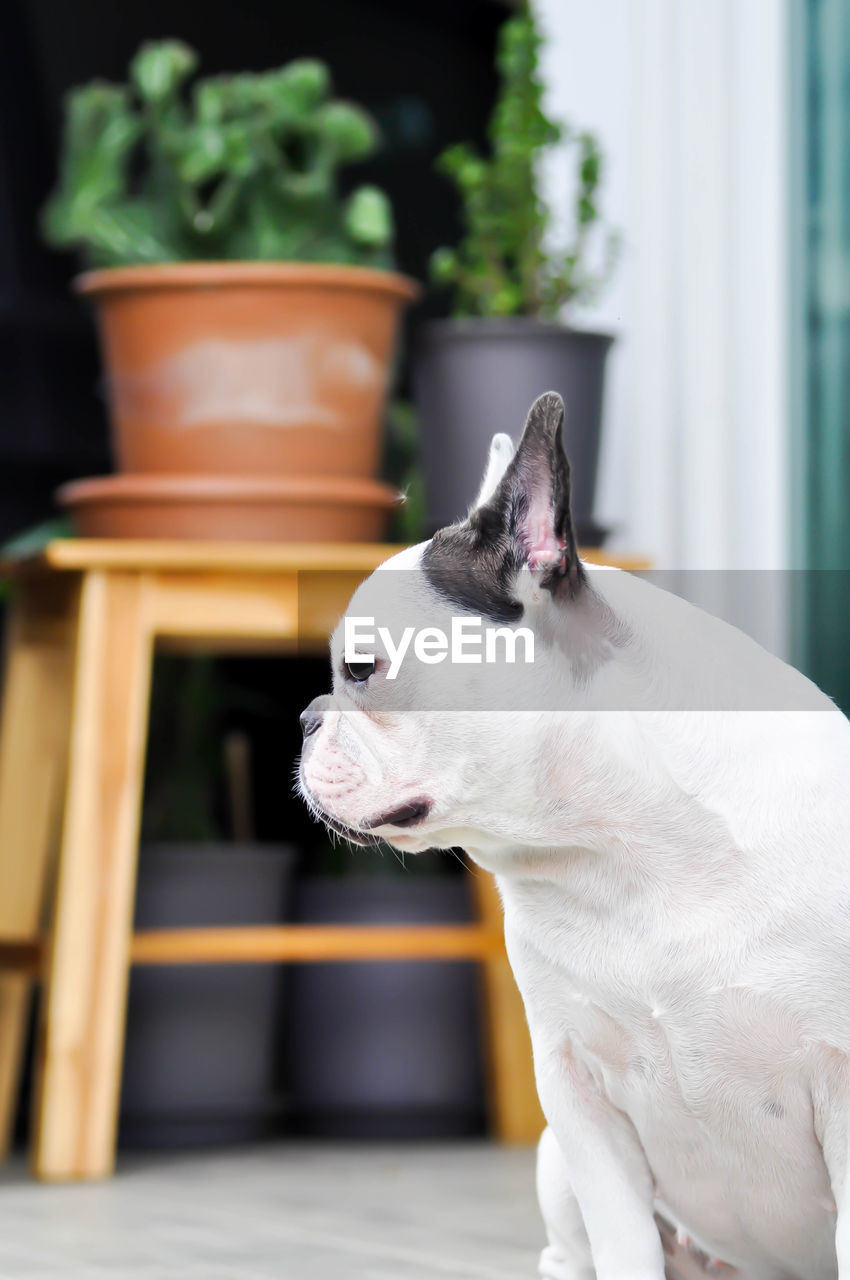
409	844
364	838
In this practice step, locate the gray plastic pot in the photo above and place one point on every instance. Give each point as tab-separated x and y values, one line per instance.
474	377
391	1049
200	1062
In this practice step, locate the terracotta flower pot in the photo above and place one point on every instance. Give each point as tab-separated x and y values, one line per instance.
232	368
225	508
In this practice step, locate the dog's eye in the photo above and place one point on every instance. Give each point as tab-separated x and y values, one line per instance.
359	671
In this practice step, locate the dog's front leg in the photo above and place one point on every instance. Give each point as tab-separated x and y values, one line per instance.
607	1172
832	1126
567	1255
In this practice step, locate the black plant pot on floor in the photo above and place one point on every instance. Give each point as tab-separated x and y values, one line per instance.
474	377
201	1056
392	1049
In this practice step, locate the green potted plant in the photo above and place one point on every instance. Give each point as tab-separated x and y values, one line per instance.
477	372
247	312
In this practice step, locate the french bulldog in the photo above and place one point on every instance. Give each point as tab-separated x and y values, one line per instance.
666	809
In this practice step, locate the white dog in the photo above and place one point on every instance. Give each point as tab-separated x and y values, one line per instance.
666	808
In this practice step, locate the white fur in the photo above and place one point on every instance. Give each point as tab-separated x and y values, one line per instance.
673	853
501	452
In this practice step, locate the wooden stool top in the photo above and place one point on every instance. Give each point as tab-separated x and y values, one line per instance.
84	554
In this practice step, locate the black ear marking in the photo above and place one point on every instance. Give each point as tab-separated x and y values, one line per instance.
527	522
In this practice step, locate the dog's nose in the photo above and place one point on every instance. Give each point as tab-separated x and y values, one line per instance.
311	717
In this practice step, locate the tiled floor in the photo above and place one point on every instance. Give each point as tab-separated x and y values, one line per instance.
283	1212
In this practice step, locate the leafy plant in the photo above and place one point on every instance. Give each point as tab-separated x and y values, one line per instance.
504	265
246	168
30	542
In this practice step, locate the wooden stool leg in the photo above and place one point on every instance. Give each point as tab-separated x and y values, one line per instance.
82	1026
33	745
515	1114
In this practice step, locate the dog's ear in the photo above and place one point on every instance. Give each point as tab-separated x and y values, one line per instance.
501	452
522	520
530	505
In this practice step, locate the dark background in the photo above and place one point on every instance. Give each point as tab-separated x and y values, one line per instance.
424	68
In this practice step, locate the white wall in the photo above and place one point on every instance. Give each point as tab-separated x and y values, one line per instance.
689	100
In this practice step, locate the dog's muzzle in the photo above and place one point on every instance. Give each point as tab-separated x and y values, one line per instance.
403	816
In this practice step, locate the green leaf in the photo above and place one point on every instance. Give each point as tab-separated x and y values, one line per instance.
30	542
351	133
159	68
203	152
100	131
130	232
507	301
369	218
463	165
443	266
307	79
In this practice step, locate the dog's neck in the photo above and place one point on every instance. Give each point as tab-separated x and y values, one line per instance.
609	801
638	865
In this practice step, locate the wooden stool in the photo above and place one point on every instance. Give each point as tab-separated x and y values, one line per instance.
86	617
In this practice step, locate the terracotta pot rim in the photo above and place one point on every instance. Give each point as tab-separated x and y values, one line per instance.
194	275
285	490
508	327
